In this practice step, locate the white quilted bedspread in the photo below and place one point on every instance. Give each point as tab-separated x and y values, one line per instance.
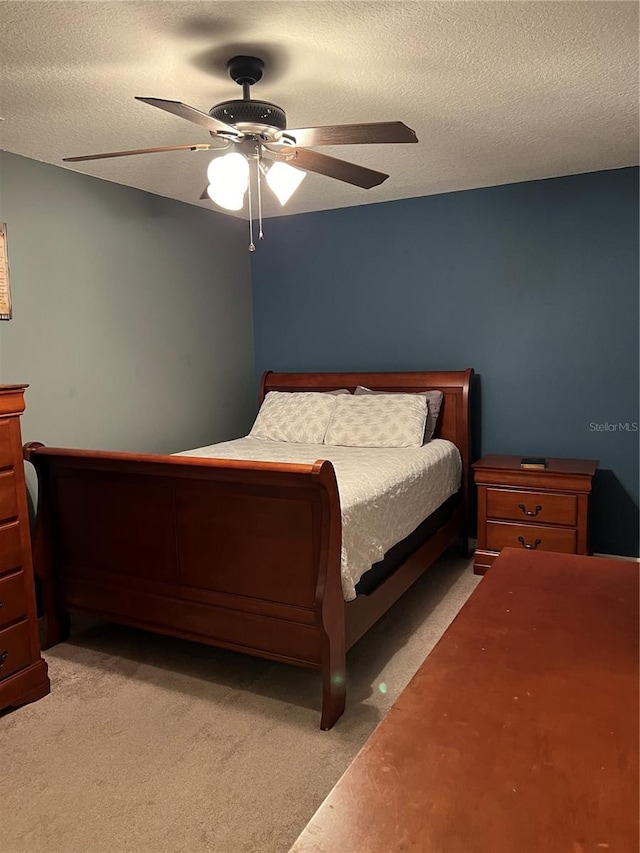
384	492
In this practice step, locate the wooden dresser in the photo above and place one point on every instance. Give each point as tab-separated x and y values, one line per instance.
535	509
519	732
23	672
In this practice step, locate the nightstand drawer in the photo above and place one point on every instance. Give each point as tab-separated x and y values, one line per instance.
13	600
543	507
535	537
15	649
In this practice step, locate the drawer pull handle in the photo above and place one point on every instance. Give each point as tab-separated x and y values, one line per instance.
528	545
528	511
3	658
1	604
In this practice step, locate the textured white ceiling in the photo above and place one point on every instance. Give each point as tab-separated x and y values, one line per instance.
497	92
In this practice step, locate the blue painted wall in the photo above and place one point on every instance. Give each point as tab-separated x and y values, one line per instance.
535	285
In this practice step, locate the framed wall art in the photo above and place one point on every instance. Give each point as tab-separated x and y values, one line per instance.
5	287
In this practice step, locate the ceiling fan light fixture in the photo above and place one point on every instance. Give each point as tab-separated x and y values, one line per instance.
225	198
284	180
228	180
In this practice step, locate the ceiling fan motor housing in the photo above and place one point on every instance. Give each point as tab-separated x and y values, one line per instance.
251	116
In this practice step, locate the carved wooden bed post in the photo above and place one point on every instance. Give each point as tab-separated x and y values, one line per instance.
57	621
329	602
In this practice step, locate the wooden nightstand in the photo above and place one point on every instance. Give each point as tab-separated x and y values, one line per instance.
544	509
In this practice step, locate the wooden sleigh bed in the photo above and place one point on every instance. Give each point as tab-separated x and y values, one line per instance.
238	554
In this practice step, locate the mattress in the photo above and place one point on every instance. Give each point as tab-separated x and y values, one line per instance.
385	493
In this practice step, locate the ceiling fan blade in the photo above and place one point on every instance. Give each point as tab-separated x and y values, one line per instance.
197	147
177	108
352	134
332	167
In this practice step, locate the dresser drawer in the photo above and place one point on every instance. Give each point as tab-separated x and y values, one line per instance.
8	496
6	445
10	548
13	600
544	507
501	535
15	649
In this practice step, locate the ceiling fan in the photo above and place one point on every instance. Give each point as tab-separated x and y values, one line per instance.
257	132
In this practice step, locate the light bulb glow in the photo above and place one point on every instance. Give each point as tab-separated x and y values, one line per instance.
228	180
228	200
284	180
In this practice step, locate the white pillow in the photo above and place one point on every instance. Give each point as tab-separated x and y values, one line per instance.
378	420
300	417
434	404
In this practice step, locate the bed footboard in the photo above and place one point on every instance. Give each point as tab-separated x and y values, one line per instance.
242	555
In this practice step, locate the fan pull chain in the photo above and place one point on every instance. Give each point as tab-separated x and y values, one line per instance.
259	182
252	247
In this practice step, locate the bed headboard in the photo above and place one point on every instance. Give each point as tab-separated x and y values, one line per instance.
454	422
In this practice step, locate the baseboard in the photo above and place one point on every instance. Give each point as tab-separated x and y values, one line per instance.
617	557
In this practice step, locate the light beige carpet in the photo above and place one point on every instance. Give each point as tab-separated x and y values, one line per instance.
153	745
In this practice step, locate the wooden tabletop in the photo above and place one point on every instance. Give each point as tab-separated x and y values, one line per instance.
518	734
503	462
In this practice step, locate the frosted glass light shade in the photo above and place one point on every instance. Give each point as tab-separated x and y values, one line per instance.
228	180
225	198
284	180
